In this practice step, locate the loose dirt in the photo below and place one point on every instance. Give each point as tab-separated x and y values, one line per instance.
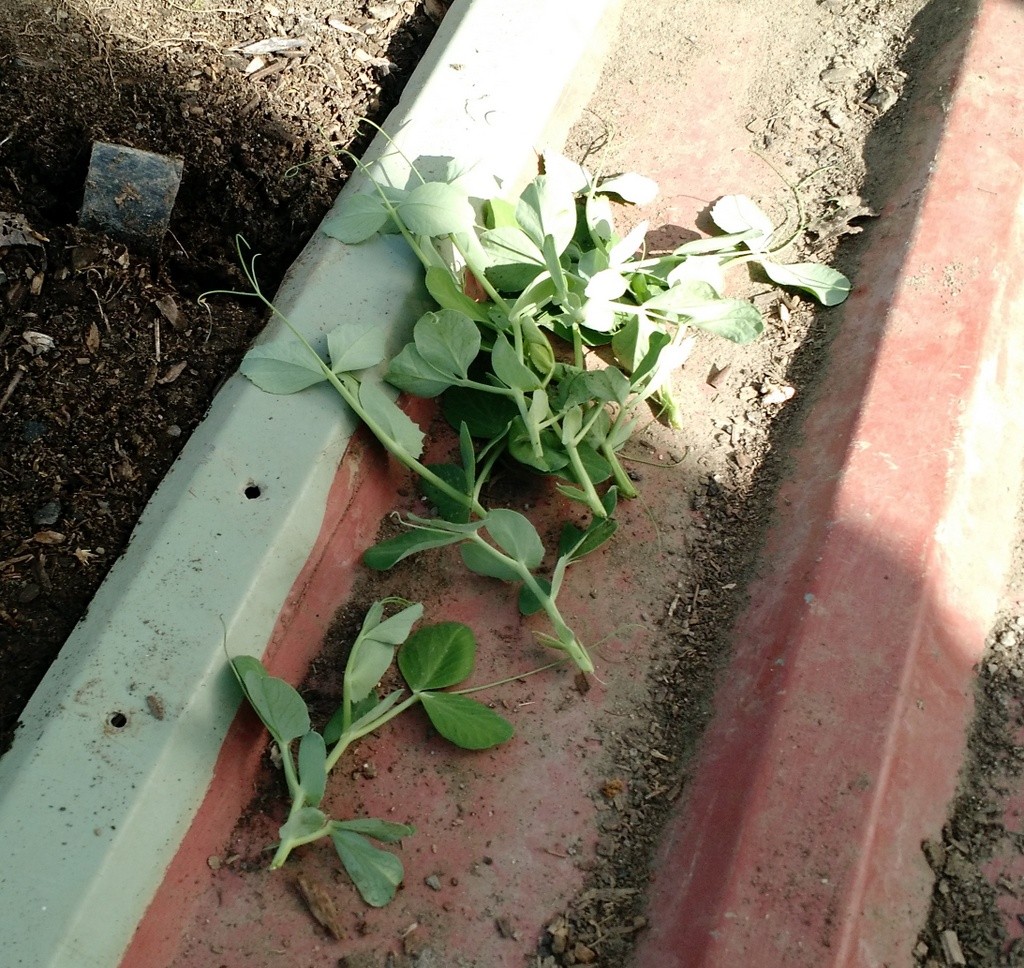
95	407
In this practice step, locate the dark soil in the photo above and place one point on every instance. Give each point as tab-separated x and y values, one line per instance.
107	360
977	863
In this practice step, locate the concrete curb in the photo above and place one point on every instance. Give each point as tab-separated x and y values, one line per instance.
118	745
841	722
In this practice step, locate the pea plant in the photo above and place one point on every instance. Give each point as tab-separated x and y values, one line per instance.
430	661
552	337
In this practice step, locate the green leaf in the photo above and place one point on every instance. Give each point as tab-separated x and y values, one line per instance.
447	507
281	367
438	656
735	319
486	415
369	660
312	767
738	214
516	536
436	208
530	604
305	823
279	706
829	287
608	385
511	277
625	248
534	297
355	346
362	719
595	466
395	630
520	446
387	554
448	341
375	873
699	268
481	559
650	360
632	343
243	664
384	830
395	423
509	245
630	187
466	722
606	284
510	369
574	177
547	209
356	218
374	648
408	371
577	542
447	293
600	220
501	214
718	243
600	316
684	299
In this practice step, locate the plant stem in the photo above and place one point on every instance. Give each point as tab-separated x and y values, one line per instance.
564	636
347	739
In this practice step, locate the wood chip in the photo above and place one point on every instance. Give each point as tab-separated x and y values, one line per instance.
321	905
173	373
952	950
48	538
92	340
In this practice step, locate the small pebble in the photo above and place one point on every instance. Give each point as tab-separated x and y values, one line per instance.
33	430
433	882
174	431
49	513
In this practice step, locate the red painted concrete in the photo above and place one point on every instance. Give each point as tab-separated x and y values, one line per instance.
840	725
358	499
506	832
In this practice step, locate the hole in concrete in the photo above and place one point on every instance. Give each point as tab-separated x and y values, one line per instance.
118	720
252	491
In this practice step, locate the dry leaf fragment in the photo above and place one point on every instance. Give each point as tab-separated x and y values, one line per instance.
320	904
173	373
84	555
613	787
273	45
169	310
48	537
38	342
92	340
717	375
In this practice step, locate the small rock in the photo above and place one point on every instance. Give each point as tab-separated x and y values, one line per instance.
836	117
28	593
840	75
32	430
433	882
48	514
882	98
583	954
